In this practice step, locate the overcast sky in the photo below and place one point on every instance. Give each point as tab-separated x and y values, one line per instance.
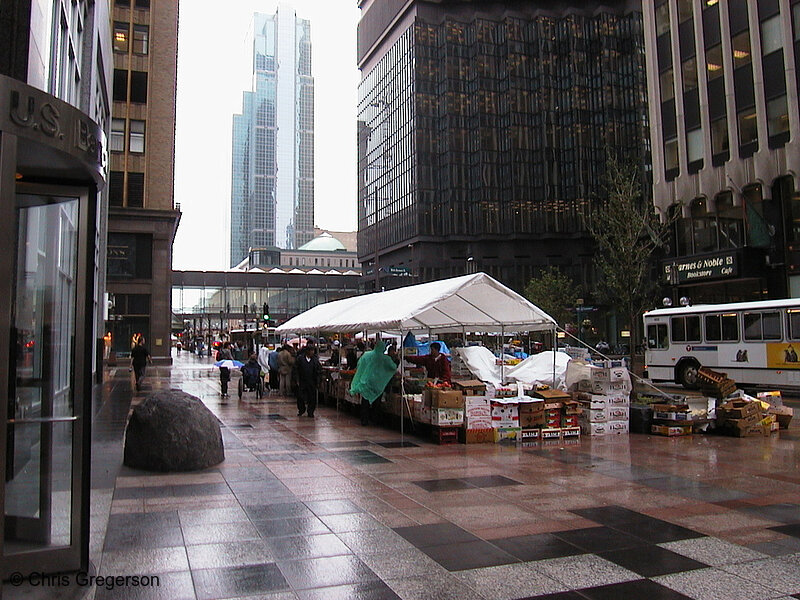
214	68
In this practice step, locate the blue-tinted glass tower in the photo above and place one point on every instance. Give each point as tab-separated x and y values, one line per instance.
272	180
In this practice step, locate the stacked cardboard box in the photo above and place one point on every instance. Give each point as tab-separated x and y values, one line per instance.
477	420
671	419
744	418
604	393
559	413
505	419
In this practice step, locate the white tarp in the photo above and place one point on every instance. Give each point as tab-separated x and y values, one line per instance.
534	369
468	303
538	368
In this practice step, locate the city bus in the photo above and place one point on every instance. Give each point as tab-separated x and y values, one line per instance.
755	343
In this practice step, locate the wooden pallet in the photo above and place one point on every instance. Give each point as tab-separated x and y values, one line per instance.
715	384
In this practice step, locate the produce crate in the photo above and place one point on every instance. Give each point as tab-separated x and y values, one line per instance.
445	435
715	384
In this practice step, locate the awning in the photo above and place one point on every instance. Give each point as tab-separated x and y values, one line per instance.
474	302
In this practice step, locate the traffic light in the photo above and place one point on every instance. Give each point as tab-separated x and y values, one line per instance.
266	312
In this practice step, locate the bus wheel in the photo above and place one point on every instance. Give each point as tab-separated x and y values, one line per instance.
687	374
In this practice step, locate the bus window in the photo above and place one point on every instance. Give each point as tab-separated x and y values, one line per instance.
657	337
793	323
722	328
685	329
762	326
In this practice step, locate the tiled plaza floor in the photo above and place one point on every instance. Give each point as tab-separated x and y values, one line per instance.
327	509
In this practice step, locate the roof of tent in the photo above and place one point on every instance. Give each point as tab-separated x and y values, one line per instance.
473	302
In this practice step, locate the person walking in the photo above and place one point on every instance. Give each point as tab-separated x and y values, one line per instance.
140	356
309	372
285	365
224	372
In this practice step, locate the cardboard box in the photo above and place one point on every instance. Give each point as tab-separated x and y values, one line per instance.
738	409
671	430
475	401
618	427
553	405
742	423
572	407
528	435
447	399
618	413
506	434
477	436
593	429
571	432
531	419
422	413
551	433
505	415
551	395
470	387
671	416
783	415
592	401
531	407
447	416
772	398
619	399
478	423
604	387
595	415
569	421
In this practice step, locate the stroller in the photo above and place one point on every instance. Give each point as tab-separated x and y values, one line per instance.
251	380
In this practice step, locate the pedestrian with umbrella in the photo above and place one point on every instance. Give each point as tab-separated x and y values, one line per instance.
225	363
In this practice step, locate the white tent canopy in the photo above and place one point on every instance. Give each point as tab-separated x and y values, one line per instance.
468	303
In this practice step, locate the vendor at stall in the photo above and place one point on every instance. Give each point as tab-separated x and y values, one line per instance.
436	363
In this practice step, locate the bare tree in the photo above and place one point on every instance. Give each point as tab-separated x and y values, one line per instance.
628	233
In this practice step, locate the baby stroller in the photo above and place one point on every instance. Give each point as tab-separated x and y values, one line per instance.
251	380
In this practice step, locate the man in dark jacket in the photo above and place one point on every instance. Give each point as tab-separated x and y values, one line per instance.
308	372
140	356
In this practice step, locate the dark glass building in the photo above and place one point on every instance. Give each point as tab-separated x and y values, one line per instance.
483	131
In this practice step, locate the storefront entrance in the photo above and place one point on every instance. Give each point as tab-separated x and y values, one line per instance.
44	469
52	166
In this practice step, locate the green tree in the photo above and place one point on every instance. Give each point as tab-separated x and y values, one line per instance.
628	233
554	292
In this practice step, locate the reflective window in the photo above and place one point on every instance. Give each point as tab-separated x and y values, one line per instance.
748	127
662	18
667	84
141	39
704	226
689	72
139	87
777	116
657	338
731	222
685	329
117	138
671	154
741	49
722	328
694	145
684	10
714	62
719	136
793	323
762	326
771	35
120	36
137	136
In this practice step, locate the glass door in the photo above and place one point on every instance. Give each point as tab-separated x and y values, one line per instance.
44	461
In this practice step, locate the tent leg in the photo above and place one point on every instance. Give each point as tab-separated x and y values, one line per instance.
502	355
402	392
555	347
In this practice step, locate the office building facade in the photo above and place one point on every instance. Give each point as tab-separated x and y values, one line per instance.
723	85
55	75
143	217
272	178
483	129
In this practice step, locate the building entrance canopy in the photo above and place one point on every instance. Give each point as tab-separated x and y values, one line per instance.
469	303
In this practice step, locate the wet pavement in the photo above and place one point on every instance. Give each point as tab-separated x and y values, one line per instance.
324	508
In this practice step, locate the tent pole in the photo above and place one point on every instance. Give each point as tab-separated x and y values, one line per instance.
555	348
502	355
402	391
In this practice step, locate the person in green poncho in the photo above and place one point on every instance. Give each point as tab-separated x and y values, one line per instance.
374	372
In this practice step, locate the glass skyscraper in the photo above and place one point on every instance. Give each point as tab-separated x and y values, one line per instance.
272	182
